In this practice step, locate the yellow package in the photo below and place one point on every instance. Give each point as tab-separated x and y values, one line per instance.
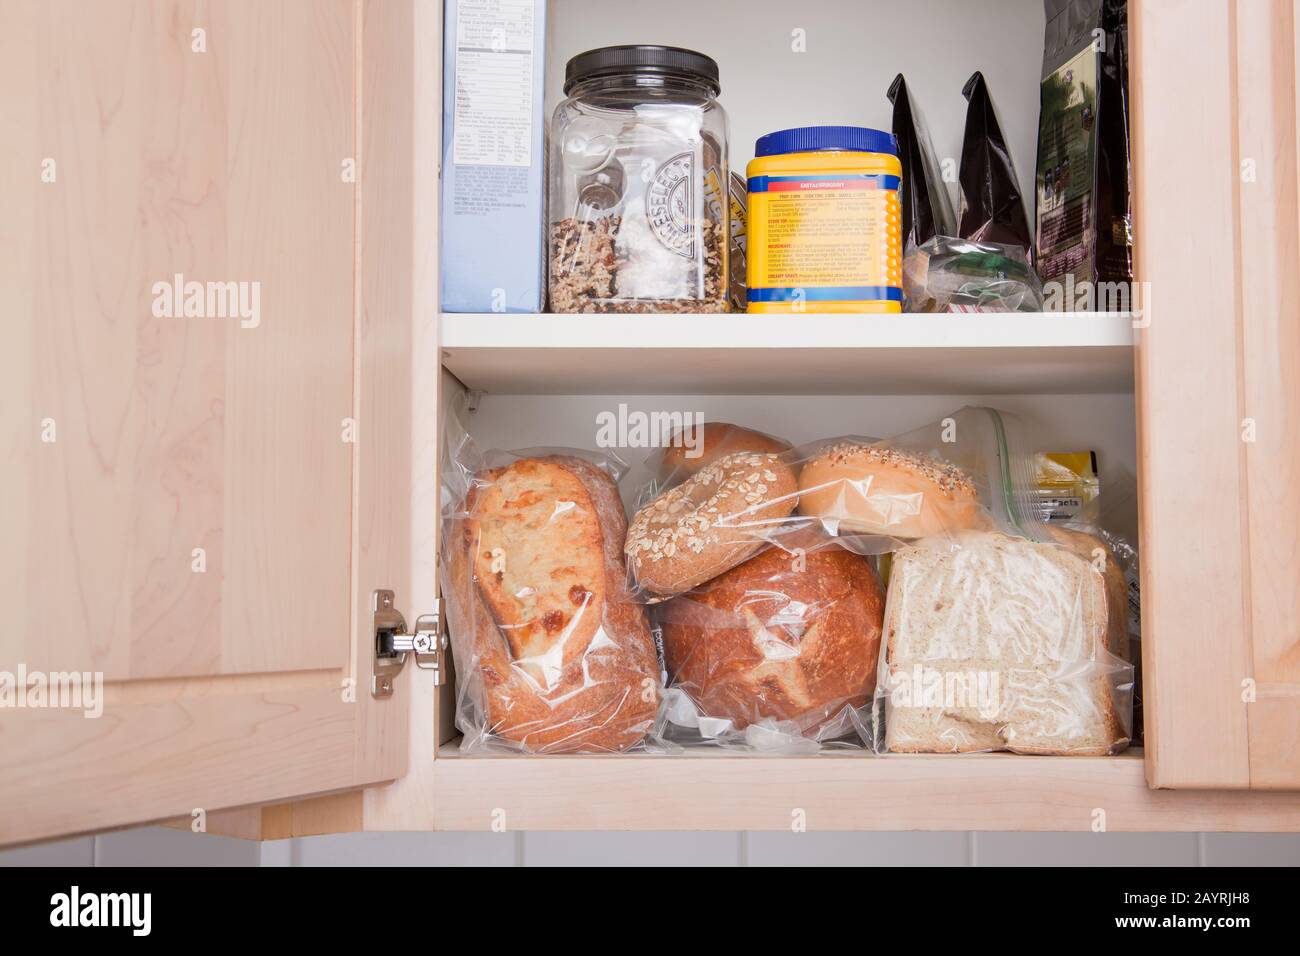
825	221
1066	483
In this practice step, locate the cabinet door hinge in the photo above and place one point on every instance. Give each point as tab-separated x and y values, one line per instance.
394	641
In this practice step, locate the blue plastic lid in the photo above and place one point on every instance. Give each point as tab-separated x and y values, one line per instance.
807	139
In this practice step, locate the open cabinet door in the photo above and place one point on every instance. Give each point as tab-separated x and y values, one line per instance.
1218	389
202	490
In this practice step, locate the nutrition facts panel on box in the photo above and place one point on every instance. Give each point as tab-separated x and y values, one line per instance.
494	83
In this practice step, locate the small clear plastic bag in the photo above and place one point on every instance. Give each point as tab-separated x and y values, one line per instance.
946	274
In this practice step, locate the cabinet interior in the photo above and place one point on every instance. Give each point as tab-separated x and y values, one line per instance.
784	65
1104	423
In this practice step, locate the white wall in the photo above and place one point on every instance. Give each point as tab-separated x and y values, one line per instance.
854	49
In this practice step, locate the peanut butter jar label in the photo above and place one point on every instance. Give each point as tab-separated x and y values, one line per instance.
824	238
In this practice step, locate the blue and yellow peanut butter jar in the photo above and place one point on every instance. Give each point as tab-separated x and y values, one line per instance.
825	229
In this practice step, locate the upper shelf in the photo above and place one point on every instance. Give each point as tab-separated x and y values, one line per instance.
1065	353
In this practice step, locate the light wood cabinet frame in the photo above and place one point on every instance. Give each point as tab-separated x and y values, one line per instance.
227	689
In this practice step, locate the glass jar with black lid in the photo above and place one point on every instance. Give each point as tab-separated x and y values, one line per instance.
638	184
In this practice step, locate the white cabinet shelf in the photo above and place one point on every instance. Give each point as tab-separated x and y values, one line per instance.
1064	353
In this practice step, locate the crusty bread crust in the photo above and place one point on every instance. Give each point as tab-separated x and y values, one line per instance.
874	489
786	636
539	566
713	441
709	523
1034	616
548	643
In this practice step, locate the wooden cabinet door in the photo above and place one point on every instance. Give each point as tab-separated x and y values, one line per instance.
201	490
1218	388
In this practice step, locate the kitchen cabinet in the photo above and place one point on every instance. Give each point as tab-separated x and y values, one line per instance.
202	508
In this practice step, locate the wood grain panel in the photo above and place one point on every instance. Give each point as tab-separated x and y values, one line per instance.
901	792
1195	628
175	216
184	433
415	44
1270	315
20	417
291	226
1218	390
226	687
385	316
143	761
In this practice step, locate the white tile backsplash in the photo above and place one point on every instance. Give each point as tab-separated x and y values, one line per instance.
404	849
1252	849
625	848
79	851
166	847
1085	849
772	848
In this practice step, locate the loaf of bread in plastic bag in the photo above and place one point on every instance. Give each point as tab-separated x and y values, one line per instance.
550	653
994	642
785	636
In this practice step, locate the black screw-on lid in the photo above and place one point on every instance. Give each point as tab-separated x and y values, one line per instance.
642	58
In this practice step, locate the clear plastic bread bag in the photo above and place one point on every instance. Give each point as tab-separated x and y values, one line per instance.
1009	635
1105	529
713	497
719	493
550	654
776	655
770	631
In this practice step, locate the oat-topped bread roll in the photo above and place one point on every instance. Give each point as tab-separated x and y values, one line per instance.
710	442
1000	643
875	489
549	649
710	522
783	636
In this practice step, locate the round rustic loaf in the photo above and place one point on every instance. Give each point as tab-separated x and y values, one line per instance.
551	653
710	442
874	489
710	522
790	636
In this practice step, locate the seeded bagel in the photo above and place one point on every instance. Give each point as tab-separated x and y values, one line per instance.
874	489
709	523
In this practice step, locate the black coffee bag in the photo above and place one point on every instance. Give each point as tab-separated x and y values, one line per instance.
992	208
927	211
1084	223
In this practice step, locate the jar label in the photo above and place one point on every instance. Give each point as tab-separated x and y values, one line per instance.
824	238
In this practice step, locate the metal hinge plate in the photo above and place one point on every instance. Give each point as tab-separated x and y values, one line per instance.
393	642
